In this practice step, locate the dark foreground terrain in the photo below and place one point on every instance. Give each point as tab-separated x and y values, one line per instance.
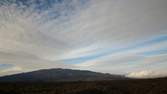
145	86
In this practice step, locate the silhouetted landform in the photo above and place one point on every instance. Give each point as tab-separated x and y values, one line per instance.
54	75
128	86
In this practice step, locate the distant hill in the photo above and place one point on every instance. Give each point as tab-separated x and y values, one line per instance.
53	75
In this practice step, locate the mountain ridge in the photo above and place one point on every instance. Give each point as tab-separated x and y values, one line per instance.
59	74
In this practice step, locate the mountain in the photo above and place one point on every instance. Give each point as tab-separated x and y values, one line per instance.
53	75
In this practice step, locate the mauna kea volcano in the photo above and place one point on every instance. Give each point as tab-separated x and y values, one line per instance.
53	75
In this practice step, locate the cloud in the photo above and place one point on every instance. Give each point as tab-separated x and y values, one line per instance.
146	74
15	68
106	36
10	69
22	41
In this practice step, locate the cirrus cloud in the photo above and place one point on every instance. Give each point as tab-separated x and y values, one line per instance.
107	36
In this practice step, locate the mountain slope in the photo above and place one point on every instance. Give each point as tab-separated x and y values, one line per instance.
51	75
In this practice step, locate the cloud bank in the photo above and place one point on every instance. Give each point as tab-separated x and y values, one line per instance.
146	74
118	37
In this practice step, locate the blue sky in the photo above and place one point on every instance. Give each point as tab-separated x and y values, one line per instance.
118	37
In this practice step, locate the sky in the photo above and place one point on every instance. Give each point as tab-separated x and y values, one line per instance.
127	37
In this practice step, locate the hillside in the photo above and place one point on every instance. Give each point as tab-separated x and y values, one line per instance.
53	75
129	86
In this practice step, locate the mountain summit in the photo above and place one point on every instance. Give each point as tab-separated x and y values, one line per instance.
53	75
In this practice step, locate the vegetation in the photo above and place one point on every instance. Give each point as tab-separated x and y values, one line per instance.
130	86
